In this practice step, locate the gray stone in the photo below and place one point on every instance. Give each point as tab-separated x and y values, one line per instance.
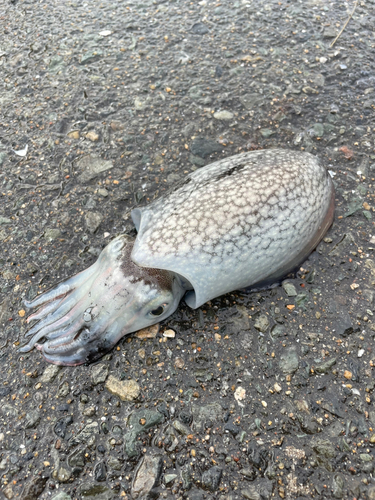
63	475
96	491
211	478
330	32
338	486
309	425
88	433
93	221
49	374
181	428
199	29
56	64
51	234
139	104
341	246
335	429
203	147
239	322
250	473
89	411
62	496
2	158
251	101
247	341
168	478
91	56
251	493
262	323
197	93
139	422
32	419
332	405
355	204
103	192
34	488
288	363
289	289
77	458
8	492
5	220
261	490
99	373
277	331
64	390
195	160
90	203
126	390
267	132
60	427
223	115
91	166
324	448
325	366
343	325
100	472
114	463
202	374
186	473
146	476
212	412
318	129
301	299
4	312
367	467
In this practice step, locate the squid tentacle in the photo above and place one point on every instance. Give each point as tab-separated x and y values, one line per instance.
48	308
64	331
82	332
83	318
64	336
69	306
51	318
62	289
64	314
69	352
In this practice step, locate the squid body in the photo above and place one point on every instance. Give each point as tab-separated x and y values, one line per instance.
245	221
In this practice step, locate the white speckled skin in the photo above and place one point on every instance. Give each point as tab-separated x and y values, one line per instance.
237	222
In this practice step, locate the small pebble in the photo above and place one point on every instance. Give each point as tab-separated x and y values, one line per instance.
74	134
92	136
170	334
179	363
148	333
277	387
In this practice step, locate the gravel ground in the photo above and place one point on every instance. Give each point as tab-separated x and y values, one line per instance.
252	396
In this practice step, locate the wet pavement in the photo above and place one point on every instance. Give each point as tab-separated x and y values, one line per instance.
105	106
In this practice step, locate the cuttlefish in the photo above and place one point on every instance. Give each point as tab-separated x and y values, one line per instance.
241	222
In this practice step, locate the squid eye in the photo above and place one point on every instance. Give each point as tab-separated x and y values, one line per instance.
158	311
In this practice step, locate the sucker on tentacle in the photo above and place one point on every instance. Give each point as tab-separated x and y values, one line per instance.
240	222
